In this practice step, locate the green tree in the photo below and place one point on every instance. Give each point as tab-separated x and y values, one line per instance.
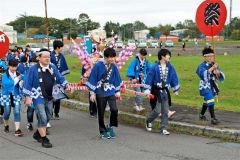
137	25
127	31
192	30
180	25
23	22
111	27
83	19
153	31
235	34
165	29
235	23
70	26
85	23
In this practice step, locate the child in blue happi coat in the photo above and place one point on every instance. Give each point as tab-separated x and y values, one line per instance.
104	84
137	73
160	79
3	68
11	96
58	59
209	73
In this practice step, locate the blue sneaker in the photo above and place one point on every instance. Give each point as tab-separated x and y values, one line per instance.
111	132
105	135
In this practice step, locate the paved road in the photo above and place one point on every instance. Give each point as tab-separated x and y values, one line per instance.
75	138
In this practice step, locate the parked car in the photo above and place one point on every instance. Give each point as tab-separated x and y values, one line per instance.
34	47
169	43
131	42
154	44
119	44
142	43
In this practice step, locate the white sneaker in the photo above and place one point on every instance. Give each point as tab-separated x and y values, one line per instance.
136	108
165	132
149	126
141	108
171	113
49	125
107	108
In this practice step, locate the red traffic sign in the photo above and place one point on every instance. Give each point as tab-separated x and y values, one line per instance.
211	16
4	44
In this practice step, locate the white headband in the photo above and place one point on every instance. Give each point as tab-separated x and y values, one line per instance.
43	53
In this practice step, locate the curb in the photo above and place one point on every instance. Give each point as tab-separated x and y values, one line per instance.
224	134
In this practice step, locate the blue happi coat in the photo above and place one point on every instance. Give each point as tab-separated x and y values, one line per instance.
31	86
22	69
3	65
112	83
134	69
155	77
10	87
205	77
61	63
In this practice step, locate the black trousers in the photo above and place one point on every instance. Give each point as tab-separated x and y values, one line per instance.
101	105
1	110
56	106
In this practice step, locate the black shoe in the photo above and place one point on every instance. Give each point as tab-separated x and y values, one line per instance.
46	143
57	116
37	136
202	118
18	133
29	127
47	131
6	129
148	126
93	115
214	121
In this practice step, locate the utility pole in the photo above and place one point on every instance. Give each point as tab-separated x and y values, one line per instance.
230	16
46	22
25	27
70	29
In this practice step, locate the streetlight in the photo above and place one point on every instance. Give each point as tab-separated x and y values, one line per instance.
230	18
46	22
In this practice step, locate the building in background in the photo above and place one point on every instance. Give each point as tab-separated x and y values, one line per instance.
216	38
163	38
10	32
142	34
178	32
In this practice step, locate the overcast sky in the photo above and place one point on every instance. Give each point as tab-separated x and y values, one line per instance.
151	12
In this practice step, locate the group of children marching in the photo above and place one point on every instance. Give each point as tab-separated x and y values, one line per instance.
32	77
104	83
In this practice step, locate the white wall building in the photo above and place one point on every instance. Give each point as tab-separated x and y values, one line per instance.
12	34
142	34
177	32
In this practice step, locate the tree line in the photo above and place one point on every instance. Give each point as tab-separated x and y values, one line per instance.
73	26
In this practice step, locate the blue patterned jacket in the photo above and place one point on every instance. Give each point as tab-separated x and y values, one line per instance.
111	85
205	77
31	86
